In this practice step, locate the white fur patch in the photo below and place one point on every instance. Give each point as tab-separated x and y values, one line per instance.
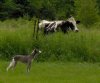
11	64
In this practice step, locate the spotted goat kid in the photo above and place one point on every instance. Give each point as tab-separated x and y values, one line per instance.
24	59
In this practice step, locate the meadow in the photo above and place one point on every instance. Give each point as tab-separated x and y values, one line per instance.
65	58
51	73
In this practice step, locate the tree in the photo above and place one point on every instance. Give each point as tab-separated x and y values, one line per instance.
87	11
64	8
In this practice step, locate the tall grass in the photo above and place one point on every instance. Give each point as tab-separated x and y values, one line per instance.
16	37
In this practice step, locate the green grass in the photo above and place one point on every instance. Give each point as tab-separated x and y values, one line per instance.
16	37
51	73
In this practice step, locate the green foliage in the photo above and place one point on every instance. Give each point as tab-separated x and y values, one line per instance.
44	9
87	11
98	3
64	8
51	9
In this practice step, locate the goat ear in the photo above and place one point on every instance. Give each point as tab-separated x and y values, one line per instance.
35	50
77	22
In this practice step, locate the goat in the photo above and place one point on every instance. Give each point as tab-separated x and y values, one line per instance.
53	26
24	59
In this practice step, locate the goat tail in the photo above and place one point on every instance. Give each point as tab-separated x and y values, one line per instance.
12	63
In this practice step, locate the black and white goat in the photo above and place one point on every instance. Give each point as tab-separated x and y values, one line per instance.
24	59
52	26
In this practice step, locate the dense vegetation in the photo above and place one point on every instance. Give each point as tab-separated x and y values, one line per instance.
16	37
85	10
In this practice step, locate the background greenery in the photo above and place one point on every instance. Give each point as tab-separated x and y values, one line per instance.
88	11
